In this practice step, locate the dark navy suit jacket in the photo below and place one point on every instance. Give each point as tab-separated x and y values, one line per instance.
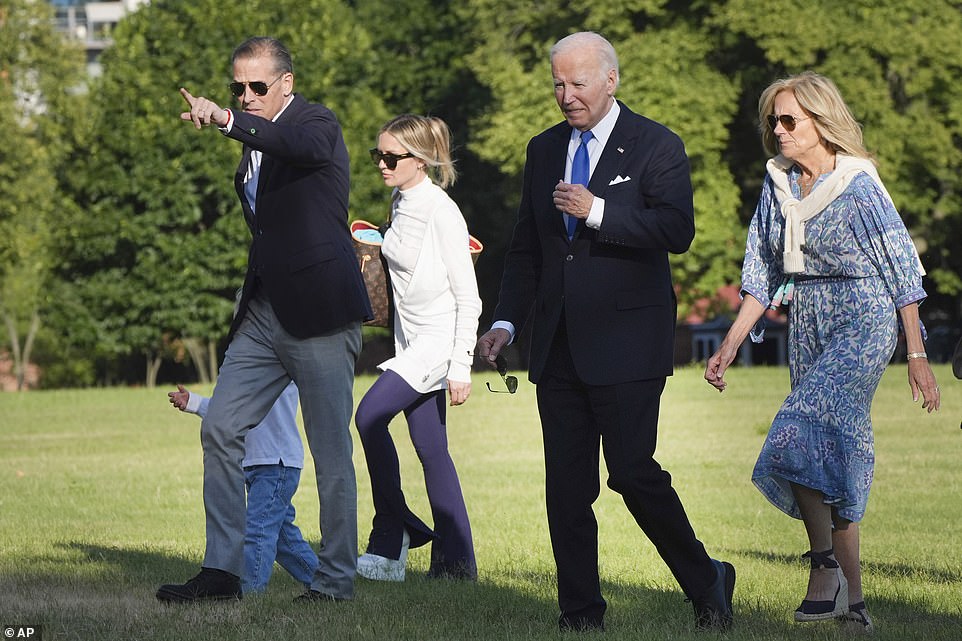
301	251
613	284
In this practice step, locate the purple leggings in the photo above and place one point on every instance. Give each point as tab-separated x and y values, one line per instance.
452	552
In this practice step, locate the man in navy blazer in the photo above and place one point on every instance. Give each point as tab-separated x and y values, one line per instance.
299	317
588	263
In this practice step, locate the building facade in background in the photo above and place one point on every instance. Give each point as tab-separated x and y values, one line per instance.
92	23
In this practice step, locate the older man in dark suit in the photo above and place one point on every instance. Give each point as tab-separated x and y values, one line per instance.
299	317
589	262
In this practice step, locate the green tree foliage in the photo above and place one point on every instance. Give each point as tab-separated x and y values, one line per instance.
40	98
149	267
422	49
665	74
162	246
898	64
155	256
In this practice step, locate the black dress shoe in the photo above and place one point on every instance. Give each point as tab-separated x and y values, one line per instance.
315	596
210	585
580	624
713	611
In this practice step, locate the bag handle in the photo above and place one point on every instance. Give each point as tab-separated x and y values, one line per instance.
396	196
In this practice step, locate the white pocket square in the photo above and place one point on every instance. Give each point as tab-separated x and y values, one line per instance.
619	179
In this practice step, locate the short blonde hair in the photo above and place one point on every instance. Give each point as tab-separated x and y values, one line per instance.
823	102
429	139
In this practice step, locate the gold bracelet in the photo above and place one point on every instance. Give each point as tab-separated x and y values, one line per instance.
912	355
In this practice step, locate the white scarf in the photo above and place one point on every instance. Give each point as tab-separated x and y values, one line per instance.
796	212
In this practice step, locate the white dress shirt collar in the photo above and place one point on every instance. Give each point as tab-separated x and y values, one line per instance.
254	169
601	131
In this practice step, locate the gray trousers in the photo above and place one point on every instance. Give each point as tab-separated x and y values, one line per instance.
261	360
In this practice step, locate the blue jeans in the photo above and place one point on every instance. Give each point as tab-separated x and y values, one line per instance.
271	534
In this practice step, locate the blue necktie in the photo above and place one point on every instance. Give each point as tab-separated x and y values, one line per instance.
580	170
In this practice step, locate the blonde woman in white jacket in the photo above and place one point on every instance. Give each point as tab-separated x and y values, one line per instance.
435	327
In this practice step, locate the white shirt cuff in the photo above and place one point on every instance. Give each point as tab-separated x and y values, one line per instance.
230	123
597	213
506	326
193	402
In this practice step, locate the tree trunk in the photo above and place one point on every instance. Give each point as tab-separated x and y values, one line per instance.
21	353
28	347
212	359
154	362
14	337
199	358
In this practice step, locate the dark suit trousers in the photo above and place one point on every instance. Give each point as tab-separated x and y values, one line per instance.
623	419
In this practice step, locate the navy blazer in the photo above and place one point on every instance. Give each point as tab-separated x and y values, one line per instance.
613	284
301	251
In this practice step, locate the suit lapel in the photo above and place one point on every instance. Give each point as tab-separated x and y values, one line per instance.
612	160
555	162
239	185
609	166
267	163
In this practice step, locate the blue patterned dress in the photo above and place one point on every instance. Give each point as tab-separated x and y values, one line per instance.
860	267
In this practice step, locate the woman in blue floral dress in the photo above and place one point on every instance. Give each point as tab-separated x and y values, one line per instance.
826	236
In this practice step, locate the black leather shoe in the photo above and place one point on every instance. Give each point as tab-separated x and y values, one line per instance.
580	624
315	596
210	585
713	611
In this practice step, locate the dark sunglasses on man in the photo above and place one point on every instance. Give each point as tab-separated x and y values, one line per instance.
511	382
259	87
390	160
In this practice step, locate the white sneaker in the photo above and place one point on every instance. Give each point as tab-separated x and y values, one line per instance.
380	568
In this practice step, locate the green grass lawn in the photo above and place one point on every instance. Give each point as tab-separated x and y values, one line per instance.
100	502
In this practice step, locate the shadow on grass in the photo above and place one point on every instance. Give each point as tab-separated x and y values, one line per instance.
138	563
909	618
888	570
419	608
511	603
514	602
